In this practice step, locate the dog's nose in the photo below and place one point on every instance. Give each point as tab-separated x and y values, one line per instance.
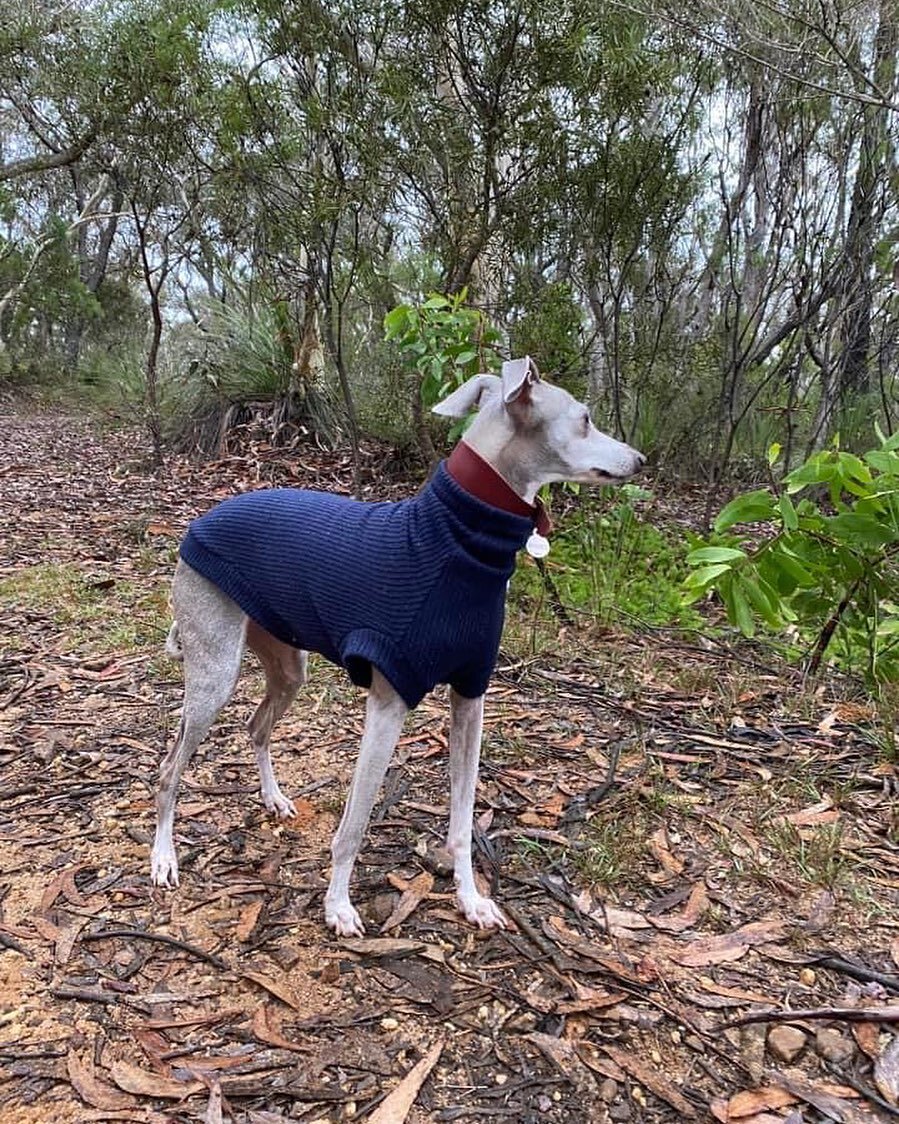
641	459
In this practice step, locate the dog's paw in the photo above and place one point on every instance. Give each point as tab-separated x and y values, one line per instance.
344	920
277	802
164	867
483	912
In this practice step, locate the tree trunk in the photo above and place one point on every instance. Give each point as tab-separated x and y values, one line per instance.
853	371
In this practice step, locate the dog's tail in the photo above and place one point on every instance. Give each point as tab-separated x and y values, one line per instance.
173	643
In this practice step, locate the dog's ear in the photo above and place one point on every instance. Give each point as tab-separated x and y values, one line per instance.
469	395
519	375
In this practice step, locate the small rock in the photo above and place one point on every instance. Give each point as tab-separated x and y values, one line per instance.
808	977
620	1112
608	1090
786	1043
834	1046
380	907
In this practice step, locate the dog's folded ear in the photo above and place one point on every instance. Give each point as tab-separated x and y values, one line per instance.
468	397
519	375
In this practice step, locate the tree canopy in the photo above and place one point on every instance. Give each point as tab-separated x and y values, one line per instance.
686	212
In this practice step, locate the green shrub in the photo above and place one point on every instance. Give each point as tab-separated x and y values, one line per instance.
825	567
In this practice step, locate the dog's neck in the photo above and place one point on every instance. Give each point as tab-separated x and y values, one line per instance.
478	477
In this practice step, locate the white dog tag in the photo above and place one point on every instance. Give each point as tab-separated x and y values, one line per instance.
537	546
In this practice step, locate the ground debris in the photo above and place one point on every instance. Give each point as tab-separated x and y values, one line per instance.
687	856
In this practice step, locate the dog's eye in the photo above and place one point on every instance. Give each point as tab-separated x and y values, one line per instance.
585	424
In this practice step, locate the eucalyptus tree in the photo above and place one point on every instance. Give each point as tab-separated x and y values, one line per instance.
796	287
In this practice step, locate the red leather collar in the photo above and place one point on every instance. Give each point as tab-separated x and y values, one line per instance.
477	476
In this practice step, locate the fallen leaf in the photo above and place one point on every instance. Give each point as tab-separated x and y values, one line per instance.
91	1090
867	1036
249	915
274	987
63	883
826	1102
381	946
68	935
410	899
886	1072
726	947
695	907
660	850
214	1108
267	1029
651	1078
395	1107
821	813
145	1084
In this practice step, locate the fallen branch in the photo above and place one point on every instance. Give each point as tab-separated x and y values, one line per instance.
141	935
850	1014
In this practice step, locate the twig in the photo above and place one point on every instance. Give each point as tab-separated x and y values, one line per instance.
560	612
858	971
139	934
849	1014
11	942
868	1093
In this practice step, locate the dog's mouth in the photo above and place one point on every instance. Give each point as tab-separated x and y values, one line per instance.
601	476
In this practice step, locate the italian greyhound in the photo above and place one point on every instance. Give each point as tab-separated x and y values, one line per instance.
465	527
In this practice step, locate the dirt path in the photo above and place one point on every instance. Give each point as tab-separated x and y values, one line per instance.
747	832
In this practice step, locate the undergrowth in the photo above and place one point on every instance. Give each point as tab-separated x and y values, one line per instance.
98	613
608	560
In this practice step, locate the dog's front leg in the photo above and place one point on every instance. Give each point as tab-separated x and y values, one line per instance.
466	723
384	714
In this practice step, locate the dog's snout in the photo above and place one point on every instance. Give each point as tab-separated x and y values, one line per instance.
640	458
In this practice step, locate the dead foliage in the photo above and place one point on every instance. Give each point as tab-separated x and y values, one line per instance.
696	853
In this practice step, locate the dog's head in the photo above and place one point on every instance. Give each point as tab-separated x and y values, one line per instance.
540	425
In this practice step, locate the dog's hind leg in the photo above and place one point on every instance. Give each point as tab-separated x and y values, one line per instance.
211	630
285	673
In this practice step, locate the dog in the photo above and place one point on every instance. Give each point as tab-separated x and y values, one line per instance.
402	595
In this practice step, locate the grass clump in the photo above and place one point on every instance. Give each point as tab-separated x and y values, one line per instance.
93	611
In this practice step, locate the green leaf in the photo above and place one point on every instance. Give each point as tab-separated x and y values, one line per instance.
738	611
715	554
751	507
703	577
759	602
788	512
883	460
861	530
773	454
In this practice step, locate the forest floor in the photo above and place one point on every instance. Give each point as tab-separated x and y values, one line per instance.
686	837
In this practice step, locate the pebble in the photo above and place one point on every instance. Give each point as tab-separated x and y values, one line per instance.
786	1043
808	977
620	1112
608	1090
834	1046
389	1023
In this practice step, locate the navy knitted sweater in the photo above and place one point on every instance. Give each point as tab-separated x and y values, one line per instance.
415	588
